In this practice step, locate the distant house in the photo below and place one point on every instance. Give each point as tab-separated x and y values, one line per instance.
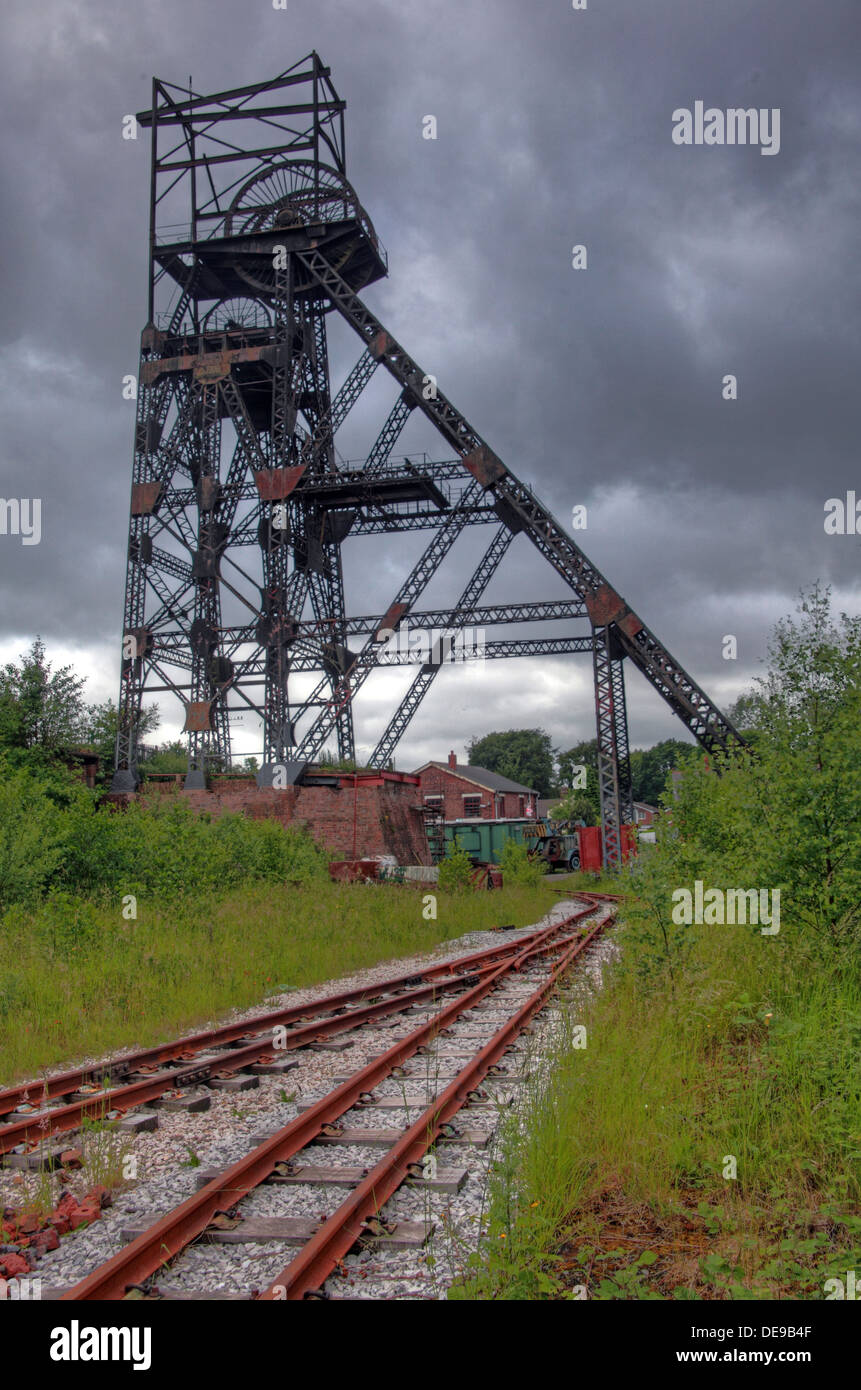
462	791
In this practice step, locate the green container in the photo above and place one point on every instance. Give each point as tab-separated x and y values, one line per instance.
483	839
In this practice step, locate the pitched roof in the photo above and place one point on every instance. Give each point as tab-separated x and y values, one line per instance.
482	776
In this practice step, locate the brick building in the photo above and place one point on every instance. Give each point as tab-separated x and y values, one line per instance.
462	791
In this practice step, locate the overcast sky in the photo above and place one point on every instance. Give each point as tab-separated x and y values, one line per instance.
600	387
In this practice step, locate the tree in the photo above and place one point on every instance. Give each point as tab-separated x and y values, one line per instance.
580	802
576	806
788	817
744	713
650	767
168	757
41	710
100	734
808	794
523	755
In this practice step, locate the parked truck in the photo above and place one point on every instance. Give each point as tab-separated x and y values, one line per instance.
557	843
570	845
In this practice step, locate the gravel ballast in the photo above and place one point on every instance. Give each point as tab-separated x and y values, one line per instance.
166	1162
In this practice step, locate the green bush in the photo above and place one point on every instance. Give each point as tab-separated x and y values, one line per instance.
31	838
158	847
517	867
455	871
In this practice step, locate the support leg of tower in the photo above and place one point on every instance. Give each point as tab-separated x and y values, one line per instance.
614	763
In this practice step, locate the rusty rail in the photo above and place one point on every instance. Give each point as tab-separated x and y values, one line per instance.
63	1083
41	1125
163	1241
316	1260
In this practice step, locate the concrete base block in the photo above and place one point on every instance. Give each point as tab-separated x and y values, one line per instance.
193	1102
141	1123
234	1083
273	1068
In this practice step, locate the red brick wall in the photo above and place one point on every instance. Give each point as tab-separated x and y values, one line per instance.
388	817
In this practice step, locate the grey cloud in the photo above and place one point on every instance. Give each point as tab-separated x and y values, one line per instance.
600	387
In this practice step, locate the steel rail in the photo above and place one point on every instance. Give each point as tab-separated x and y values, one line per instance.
63	1083
307	1272
136	1093
164	1240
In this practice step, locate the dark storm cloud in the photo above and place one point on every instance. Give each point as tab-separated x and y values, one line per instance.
600	387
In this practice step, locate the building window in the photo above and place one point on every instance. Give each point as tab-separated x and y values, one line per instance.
472	805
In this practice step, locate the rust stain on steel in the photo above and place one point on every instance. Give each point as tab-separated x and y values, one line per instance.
391	618
197	717
208	491
64	1083
630	624
163	1241
315	1262
152	338
204	366
380	344
484	466
145	498
274	484
213	366
604	606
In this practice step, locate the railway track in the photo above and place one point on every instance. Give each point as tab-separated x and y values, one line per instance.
31	1113
515	979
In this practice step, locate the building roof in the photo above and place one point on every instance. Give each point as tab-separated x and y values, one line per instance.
481	776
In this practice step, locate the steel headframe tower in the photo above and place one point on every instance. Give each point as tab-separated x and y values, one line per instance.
256	236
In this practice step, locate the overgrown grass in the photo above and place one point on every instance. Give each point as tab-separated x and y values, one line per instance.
618	1185
78	980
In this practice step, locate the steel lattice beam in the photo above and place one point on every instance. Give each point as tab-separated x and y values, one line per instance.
522	510
456	620
467	612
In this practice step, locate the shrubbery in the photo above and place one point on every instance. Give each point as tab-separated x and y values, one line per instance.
55	837
517	867
455	871
787	817
705	1143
